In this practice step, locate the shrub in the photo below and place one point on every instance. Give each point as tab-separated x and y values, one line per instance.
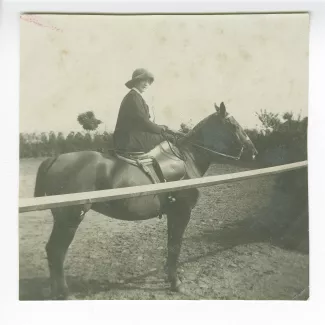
283	142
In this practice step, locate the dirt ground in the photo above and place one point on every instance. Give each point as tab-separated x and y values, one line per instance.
222	257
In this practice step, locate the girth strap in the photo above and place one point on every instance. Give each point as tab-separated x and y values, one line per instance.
151	175
156	175
158	170
147	171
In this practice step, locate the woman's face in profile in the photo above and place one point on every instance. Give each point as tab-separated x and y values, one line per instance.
142	85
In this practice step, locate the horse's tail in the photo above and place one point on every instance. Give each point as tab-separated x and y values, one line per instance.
41	176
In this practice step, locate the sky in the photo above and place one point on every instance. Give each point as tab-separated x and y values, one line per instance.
70	64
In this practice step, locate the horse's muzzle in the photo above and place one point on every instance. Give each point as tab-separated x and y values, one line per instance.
249	155
254	155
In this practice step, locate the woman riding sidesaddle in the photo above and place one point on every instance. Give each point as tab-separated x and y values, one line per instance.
134	132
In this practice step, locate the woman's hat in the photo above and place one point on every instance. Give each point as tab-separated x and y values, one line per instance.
140	74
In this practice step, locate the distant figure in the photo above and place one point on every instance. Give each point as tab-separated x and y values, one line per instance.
134	132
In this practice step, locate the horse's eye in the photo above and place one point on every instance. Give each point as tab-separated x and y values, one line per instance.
233	126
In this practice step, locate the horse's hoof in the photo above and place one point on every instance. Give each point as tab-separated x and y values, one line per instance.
61	297
177	286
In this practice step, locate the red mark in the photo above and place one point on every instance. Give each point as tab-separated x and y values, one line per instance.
35	20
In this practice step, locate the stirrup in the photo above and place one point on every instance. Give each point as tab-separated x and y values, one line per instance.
171	199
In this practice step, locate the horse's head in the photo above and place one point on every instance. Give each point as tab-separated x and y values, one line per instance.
221	133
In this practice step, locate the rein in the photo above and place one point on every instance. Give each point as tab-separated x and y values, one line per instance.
181	156
219	153
176	134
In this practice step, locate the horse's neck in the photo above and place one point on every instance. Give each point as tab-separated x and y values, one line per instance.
198	160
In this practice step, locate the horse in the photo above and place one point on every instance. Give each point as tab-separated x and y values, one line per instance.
217	138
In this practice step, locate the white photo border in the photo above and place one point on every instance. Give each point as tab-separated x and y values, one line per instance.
223	312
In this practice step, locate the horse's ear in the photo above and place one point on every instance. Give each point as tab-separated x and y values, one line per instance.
222	109
216	107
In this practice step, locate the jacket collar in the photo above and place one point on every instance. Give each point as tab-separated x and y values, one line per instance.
136	90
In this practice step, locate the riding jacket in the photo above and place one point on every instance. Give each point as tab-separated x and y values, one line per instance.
134	132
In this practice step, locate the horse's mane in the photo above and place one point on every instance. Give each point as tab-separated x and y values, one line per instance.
197	127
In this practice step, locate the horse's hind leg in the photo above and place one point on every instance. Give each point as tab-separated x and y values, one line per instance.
177	220
66	222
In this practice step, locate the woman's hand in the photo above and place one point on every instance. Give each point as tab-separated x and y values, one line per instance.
164	128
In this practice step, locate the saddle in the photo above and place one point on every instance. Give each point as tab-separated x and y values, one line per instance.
159	164
147	163
165	163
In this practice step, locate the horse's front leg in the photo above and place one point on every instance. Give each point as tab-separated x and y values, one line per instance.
177	220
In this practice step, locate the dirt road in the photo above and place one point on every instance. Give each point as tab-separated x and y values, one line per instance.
223	256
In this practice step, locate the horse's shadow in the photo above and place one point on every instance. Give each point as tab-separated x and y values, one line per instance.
239	233
249	231
36	289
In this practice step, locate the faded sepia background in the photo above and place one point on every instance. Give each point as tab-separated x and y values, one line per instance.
72	63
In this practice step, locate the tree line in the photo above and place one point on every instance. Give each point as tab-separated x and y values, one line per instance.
280	134
52	144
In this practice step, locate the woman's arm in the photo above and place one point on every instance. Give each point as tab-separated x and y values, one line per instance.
140	116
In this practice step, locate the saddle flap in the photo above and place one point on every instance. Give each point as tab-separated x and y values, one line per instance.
161	160
135	161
